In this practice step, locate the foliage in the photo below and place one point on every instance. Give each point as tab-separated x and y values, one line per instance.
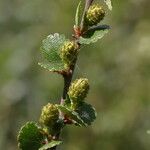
97	34
50	47
61	55
30	137
117	68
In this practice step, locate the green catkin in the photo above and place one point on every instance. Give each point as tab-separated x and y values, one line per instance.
68	53
49	115
94	15
78	91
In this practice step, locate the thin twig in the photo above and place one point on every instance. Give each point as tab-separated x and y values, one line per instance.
67	82
68	76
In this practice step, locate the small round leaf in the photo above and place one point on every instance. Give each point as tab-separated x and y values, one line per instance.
30	137
87	113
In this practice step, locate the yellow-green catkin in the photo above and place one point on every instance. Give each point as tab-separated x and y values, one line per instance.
68	53
49	115
78	91
94	15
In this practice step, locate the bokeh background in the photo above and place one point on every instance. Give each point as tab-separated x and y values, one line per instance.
118	68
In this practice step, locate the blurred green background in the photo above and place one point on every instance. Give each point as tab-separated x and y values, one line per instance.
118	68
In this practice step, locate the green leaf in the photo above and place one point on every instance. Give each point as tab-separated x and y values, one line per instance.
87	113
71	115
67	101
50	145
90	32
98	34
108	3
51	47
30	137
53	67
77	16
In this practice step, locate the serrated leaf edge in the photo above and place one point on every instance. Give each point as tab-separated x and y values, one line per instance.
95	113
50	145
60	39
83	40
80	121
21	130
53	69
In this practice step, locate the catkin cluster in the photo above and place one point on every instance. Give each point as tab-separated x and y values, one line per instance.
68	53
49	115
94	15
78	91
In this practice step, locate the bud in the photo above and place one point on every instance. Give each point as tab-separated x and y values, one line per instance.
78	91
68	53
94	15
49	115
